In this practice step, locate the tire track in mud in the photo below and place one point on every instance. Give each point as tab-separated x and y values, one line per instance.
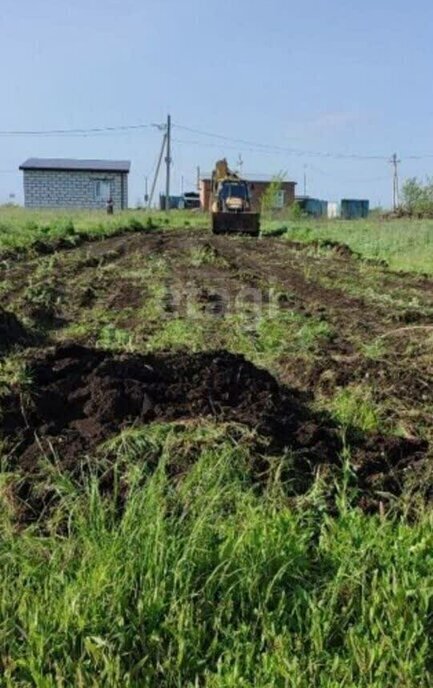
355	321
264	262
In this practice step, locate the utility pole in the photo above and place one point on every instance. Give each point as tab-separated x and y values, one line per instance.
240	164
168	164
146	190
198	177
158	167
305	180
395	190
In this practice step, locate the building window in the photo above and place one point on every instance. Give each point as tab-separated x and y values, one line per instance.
279	200
103	190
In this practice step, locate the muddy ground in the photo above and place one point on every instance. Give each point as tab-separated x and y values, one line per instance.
164	325
12	331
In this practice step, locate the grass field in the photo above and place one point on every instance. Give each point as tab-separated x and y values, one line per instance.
405	244
211	584
19	228
266	525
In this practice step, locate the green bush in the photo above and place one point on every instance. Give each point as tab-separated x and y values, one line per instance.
417	197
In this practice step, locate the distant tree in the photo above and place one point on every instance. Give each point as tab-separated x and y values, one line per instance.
417	197
295	211
269	199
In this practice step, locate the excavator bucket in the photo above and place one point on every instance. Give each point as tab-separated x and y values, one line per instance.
236	223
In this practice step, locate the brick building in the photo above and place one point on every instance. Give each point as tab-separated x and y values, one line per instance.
68	183
284	198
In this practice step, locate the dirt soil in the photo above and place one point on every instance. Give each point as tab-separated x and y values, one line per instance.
379	328
82	396
12	331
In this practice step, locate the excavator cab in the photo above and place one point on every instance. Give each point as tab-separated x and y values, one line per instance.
231	207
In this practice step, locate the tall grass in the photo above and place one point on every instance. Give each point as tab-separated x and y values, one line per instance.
21	227
404	244
204	582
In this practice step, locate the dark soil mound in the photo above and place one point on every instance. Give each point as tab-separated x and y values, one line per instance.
81	396
12	332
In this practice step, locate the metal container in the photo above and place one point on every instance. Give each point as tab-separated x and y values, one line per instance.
353	209
314	207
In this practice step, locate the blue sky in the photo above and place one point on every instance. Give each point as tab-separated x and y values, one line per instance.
319	76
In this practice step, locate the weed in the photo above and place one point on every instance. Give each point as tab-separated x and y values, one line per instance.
178	333
355	407
290	332
206	255
374	350
14	374
204	582
41	297
114	338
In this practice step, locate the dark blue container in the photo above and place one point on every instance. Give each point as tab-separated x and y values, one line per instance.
314	207
352	209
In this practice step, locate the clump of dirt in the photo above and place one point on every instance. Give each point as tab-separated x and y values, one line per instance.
338	248
127	295
12	331
81	396
342	250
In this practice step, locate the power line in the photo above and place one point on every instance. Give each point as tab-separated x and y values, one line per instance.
338	175
256	145
284	149
418	157
82	131
293	151
225	138
203	144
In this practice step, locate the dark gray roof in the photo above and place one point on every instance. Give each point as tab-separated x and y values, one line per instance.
72	164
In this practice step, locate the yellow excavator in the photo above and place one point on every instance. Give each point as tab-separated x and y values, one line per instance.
231	203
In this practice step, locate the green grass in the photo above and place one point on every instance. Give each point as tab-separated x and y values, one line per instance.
114	339
404	244
178	333
206	579
206	255
355	406
203	582
21	227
